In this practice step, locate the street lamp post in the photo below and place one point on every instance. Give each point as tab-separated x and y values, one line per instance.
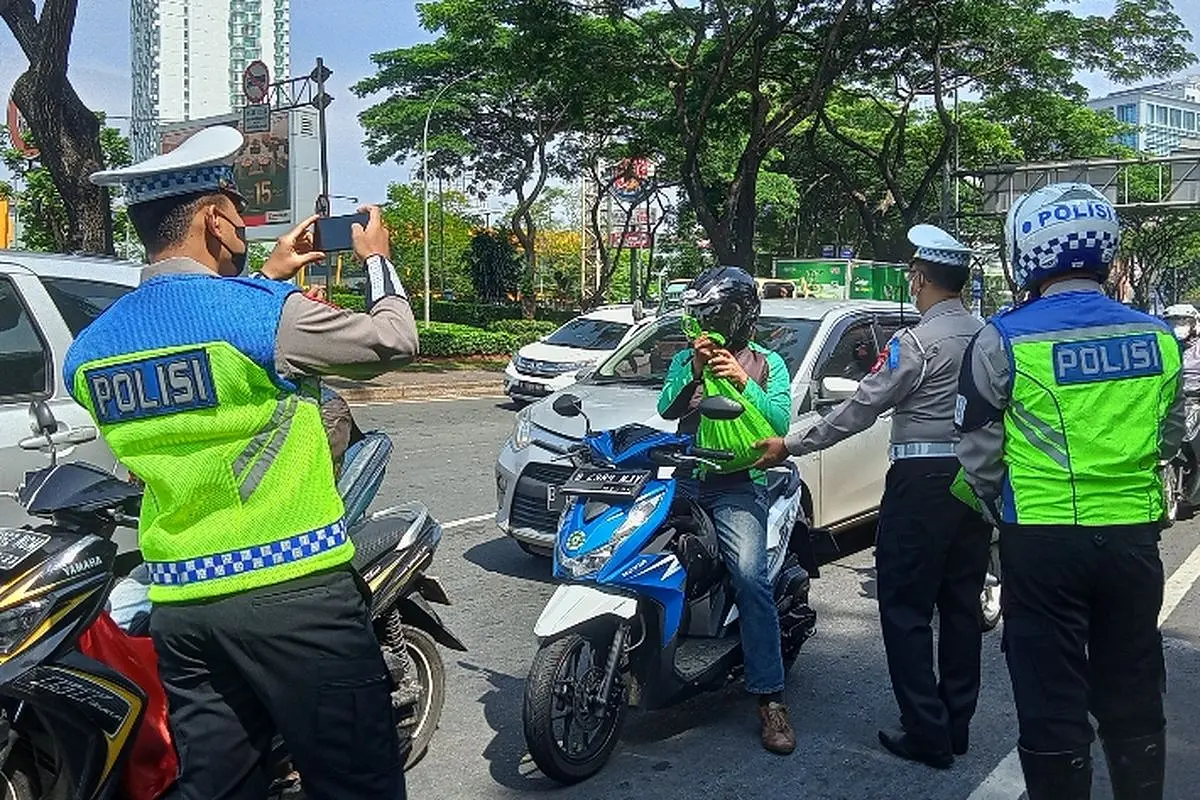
425	179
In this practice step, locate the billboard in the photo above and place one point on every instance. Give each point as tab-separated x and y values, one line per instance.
277	171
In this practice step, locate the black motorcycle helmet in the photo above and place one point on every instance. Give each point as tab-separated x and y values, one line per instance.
724	300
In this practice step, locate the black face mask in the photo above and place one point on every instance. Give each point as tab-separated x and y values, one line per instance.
239	259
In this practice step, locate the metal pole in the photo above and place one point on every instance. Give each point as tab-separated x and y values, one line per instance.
321	133
441	235
425	179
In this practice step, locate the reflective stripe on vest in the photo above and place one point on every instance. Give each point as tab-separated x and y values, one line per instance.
240	490
1082	429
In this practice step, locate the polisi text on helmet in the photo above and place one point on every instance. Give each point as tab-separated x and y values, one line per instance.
1061	212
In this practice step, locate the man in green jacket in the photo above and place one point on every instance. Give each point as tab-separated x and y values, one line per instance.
724	302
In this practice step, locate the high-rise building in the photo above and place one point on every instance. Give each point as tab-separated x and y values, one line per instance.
1165	116
189	55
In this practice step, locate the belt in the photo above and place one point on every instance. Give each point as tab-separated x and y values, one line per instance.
236	562
921	450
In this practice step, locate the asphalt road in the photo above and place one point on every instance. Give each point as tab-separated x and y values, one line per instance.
838	692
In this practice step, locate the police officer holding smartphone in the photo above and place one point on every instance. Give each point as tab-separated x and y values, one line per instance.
201	383
931	550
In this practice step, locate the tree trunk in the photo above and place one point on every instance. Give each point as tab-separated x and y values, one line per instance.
66	131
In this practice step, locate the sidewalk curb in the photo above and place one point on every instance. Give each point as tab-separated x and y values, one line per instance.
426	391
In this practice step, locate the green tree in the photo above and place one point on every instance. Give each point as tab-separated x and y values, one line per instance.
495	266
450	228
67	133
45	219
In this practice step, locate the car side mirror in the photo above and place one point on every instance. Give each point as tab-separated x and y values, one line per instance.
567	405
720	407
835	390
41	418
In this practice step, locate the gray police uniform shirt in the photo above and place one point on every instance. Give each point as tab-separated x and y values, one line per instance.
316	338
917	375
981	451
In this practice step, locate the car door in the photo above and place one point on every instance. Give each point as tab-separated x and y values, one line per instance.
852	471
33	342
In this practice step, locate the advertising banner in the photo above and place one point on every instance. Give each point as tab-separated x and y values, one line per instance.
261	168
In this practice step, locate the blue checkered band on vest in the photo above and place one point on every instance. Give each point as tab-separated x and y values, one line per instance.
179	182
219	565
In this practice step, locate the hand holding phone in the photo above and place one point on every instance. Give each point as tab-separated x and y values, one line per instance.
372	237
293	250
333	234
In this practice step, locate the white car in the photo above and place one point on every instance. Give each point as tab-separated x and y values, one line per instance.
45	300
828	345
555	361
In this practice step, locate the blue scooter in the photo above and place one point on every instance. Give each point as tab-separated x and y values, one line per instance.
646	615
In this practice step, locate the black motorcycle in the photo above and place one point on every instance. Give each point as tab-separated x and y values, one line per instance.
68	722
1181	475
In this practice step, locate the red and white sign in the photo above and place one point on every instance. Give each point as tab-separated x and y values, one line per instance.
256	81
634	240
631	177
18	129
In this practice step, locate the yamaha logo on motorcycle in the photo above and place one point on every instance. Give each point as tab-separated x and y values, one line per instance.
645	613
72	722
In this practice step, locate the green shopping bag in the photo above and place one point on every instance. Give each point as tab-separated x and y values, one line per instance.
735	435
963	491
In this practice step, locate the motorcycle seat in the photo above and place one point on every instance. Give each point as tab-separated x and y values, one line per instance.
384	530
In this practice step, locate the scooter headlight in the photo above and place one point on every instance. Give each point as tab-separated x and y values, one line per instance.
588	563
17	623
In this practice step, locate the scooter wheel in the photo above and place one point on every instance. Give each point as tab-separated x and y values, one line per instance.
19	779
430	673
566	736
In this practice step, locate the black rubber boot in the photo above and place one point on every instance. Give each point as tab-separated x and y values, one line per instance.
1136	766
1057	776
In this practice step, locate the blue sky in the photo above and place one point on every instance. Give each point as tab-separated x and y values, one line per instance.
344	34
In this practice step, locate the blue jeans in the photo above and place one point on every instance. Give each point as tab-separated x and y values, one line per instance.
739	512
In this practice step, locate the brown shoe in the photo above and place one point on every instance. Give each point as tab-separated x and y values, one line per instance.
777	733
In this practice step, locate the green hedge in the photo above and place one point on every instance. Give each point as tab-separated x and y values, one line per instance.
477	315
450	339
524	330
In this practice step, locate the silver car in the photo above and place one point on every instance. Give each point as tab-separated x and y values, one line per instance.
45	300
828	345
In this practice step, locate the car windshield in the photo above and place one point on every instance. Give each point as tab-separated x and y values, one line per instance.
589	334
646	359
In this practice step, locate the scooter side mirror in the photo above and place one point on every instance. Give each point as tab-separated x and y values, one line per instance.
41	418
720	407
567	405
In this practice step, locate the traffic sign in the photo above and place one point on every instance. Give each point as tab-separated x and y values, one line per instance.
322	101
320	73
256	81
256	118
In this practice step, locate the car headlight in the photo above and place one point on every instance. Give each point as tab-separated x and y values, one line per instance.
522	429
17	623
593	561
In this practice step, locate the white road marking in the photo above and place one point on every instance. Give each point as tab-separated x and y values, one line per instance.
1006	782
458	523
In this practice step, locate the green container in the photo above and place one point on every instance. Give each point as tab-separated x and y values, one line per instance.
890	282
815	277
862	280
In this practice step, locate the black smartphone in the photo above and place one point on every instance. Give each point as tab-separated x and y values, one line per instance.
332	234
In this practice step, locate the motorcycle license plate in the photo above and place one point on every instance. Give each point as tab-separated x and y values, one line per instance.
611	483
17	544
554	500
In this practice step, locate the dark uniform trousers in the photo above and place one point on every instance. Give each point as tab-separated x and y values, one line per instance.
1081	632
931	550
299	658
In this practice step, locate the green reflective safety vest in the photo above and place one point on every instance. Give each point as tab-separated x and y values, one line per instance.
1092	382
240	493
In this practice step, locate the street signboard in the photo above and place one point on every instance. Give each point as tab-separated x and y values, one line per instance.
632	178
634	240
256	118
828	250
18	130
256	80
846	252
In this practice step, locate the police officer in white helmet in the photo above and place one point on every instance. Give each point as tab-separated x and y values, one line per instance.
1067	403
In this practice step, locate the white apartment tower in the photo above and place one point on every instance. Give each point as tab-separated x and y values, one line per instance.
189	55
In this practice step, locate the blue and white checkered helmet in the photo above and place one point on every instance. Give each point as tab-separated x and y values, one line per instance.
1063	227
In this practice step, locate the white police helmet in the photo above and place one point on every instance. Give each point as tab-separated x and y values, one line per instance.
1063	227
